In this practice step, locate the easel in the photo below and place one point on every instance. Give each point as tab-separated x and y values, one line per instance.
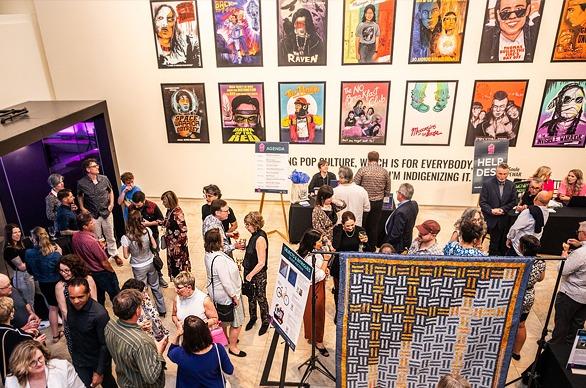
285	235
264	380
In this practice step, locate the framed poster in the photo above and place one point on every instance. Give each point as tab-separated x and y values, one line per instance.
364	108
570	41
496	110
238	35
185	113
510	32
437	31
429	112
302	108
302	32
561	122
369	29
242	111
176	32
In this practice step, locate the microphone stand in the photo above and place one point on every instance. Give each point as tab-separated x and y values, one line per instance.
313	362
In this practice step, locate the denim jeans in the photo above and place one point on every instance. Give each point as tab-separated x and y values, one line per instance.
106	281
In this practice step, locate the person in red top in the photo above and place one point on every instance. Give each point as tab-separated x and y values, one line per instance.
86	245
302	123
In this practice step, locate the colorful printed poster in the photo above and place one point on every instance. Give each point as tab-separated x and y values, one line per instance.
302	32
237	27
571	36
437	31
429	112
176	31
302	112
368	31
185	113
242	109
562	122
496	110
510	32
364	112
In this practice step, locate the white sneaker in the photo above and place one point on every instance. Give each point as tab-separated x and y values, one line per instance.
43	325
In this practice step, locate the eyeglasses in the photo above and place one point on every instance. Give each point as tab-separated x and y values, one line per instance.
251	119
506	15
534	187
38	361
66	270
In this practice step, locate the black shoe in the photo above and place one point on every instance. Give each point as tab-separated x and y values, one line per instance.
241	354
263	329
516	357
250	325
162	315
323	351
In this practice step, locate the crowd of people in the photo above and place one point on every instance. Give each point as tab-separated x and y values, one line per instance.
73	271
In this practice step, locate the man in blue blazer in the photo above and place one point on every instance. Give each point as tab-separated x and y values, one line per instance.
399	226
497	198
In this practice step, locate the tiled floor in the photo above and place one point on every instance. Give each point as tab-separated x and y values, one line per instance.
248	370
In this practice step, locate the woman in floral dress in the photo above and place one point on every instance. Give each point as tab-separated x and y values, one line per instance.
175	236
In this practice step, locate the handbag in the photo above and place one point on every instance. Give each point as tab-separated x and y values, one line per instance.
218	336
157	261
225	311
226	382
248	289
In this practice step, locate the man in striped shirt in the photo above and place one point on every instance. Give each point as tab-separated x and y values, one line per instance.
377	183
139	359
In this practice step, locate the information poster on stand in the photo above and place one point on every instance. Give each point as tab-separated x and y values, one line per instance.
290	295
488	154
272	167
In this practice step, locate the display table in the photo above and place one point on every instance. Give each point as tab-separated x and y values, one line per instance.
560	226
300	221
552	371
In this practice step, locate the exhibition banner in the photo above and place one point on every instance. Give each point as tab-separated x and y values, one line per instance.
562	121
437	31
302	32
238	36
185	113
272	167
488	154
176	32
497	107
407	321
510	32
242	109
429	112
369	28
290	295
570	41
302	108
364	108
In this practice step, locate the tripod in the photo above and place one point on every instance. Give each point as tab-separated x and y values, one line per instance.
532	374
313	362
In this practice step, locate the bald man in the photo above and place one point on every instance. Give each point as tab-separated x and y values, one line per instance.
530	221
24	316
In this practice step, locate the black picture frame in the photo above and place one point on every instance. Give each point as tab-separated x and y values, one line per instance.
323	83
167	118
264	121
552	60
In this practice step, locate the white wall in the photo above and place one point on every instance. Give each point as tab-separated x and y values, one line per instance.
23	75
105	50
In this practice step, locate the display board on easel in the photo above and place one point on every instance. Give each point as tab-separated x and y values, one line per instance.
272	174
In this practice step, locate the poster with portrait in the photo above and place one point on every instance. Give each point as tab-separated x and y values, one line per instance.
369	28
242	107
570	40
176	32
237	27
437	31
302	112
562	122
302	32
510	32
429	112
364	108
495	111
185	113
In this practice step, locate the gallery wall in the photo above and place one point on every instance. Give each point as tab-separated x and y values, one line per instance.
106	50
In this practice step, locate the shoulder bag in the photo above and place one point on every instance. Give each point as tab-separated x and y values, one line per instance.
157	261
225	311
226	382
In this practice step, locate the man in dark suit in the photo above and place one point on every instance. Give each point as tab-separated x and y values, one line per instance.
399	226
497	198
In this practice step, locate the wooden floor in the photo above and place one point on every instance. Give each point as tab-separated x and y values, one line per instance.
248	370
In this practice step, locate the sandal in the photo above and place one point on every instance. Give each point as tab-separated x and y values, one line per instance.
58	337
323	351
